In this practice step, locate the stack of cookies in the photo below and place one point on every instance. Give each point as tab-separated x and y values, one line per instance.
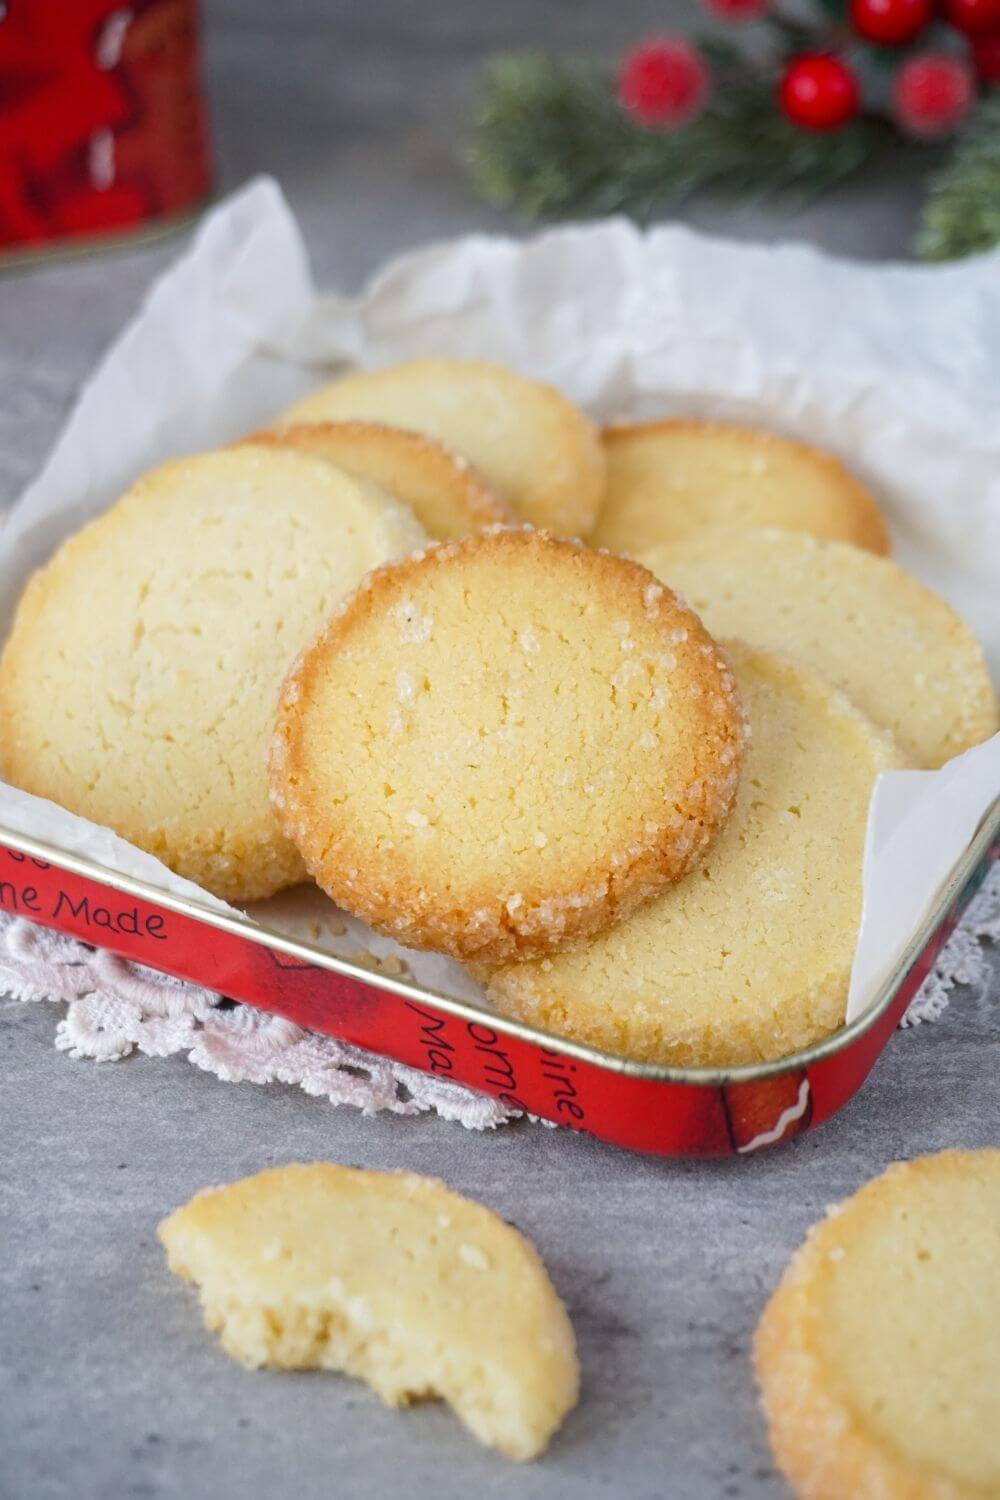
639	819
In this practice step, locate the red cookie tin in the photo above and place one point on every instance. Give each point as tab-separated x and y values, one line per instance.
643	1107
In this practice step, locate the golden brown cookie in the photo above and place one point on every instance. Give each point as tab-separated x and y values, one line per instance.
878	1356
138	684
749	957
501	745
389	1277
446	493
532	444
898	651
669	478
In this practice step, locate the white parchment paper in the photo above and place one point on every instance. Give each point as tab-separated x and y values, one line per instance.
896	368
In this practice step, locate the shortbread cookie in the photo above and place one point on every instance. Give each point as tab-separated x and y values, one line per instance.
389	1277
447	494
532	444
878	1356
748	958
139	682
666	479
501	746
898	651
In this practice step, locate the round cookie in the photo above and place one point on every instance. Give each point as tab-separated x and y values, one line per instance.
389	1277
666	479
748	958
898	651
532	444
500	746
138	685
878	1357
448	496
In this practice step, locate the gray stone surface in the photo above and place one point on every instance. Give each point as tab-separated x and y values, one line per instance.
109	1387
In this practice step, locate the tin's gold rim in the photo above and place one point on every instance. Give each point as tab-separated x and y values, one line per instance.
467	1010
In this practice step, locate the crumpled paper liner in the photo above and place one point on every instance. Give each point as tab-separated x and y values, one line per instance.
893	367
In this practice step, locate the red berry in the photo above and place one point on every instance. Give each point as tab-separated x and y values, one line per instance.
986	56
818	91
664	82
932	94
973	17
737	10
890	23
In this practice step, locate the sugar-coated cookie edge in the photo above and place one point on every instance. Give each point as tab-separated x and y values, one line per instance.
521	993
251	863
822	1446
578	507
544	921
981	709
469	489
865	524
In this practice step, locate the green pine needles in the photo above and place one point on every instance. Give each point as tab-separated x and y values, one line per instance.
553	142
962	212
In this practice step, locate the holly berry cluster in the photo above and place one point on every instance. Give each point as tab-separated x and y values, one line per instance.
666	82
794	106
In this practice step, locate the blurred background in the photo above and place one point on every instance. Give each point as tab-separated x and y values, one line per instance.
362	110
366	112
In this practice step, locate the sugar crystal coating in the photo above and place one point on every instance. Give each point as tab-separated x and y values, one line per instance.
731	966
897	650
562	779
448	496
536	450
877	1355
669	479
150	714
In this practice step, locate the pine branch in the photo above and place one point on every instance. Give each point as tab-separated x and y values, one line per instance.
792	35
962	212
552	142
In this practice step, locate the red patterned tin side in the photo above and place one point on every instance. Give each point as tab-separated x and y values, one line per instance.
667	1112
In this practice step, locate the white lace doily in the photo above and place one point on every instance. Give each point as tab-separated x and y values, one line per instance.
114	1008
